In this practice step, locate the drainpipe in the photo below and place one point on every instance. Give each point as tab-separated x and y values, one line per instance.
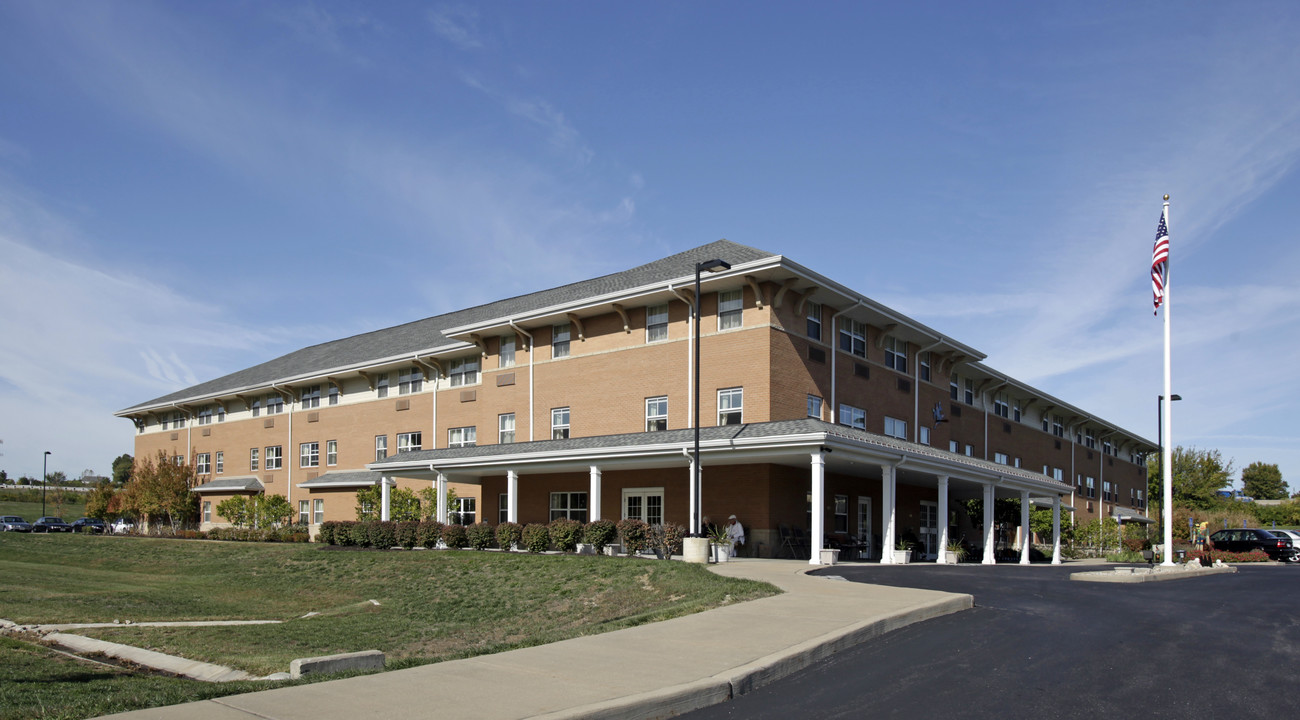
289	472
916	391
530	376
690	362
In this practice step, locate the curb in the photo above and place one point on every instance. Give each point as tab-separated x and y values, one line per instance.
175	665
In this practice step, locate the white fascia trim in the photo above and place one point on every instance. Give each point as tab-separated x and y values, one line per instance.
945	466
598	300
349	484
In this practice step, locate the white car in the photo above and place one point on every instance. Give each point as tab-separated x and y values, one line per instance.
1294	535
121	526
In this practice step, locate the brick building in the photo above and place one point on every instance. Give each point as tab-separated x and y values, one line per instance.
577	401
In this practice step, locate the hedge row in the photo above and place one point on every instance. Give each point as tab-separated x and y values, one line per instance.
287	533
562	534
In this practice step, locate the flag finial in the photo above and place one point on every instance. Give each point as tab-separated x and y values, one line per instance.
1166	198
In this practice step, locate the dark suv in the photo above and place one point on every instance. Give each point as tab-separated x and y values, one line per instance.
1247	539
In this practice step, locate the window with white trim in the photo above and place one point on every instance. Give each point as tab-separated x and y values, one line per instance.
304	512
506	428
255	408
731	406
969	391
814	407
895	353
205	416
1000	458
954	446
506	351
221	413
410	380
309	454
202	464
656	413
334	394
1015	411
853	337
560	340
559	423
503	508
463	371
462	436
381	447
970	450
221	461
310	397
207	511
954	387
840	523
274	404
924	435
252	459
1090	487
730	309
923	359
331	452
1001	407
318	511
1058	426
1089	440
1105	491
178	459
896	428
274	457
645	504
656	323
381	385
465	511
853	416
815	320
571	505
409	441
1017	463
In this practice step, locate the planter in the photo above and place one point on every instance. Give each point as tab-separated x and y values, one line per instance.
613	550
830	556
586	549
950	557
902	557
721	552
695	550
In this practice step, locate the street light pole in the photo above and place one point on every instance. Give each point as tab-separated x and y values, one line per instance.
45	478
696	529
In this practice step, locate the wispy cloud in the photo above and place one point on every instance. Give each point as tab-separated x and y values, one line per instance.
562	135
457	24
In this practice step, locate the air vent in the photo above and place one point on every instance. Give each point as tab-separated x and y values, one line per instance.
1058	444
816	354
313	417
468	395
269	422
955	410
268	479
176	436
904	385
861	370
1110	462
1089	454
1006	428
505	379
313	475
403	404
207	432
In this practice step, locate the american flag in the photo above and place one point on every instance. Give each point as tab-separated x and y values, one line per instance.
1159	263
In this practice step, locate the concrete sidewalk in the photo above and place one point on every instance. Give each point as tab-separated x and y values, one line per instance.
652	671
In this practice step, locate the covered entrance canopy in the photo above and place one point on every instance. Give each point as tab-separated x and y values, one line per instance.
806	444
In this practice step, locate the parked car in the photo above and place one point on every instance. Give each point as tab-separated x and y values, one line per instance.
92	525
1295	541
1247	539
13	523
121	526
50	524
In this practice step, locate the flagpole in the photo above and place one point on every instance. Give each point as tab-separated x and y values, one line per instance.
1166	459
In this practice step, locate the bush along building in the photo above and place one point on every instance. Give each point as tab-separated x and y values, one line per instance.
826	417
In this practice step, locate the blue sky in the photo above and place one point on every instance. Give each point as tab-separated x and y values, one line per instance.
190	188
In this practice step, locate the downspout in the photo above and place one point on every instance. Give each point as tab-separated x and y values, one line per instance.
288	450
690	356
530	376
916	391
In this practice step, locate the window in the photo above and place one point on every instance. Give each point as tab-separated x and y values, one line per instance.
409	442
1141	501
896	428
924	435
274	457
274	404
205	416
462	436
304	512
954	446
334	394
895	353
656	323
506	428
309	454
559	423
221	461
1000	406
1107	448
730	309
252	459
465	511
1017	462
506	351
202	464
1089	440
814	407
1091	487
464	371
318	511
178	460
1015	411
656	414
207	511
853	337
381	385
841	522
571	505
381	447
970	450
1105	491
177	421
815	320
731	406
1000	458
969	391
410	381
645	504
954	386
923	359
331	452
853	417
1058	426
503	508
311	397
560	340
256	407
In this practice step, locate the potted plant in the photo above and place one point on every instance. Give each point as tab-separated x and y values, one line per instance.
954	553
719	544
902	552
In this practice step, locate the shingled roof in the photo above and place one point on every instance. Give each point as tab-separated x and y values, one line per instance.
425	334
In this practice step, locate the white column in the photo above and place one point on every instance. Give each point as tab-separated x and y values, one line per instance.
943	520
887	514
593	496
691	510
440	494
1056	530
818	530
989	531
1024	527
384	499
512	496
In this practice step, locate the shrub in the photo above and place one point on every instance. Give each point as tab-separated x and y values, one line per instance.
480	535
326	533
383	534
344	533
428	533
509	535
564	534
634	533
1126	556
536	538
665	539
454	536
1136	545
361	533
599	533
407	533
1204	556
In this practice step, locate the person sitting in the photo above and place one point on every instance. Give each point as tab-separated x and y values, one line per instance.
735	533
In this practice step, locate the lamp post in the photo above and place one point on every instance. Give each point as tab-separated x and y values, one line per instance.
45	478
711	266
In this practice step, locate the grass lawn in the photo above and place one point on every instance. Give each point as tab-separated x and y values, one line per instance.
433	605
29	511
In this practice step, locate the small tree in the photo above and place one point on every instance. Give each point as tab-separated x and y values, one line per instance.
97	500
235	510
402	504
122	469
1263	482
160	489
268	511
